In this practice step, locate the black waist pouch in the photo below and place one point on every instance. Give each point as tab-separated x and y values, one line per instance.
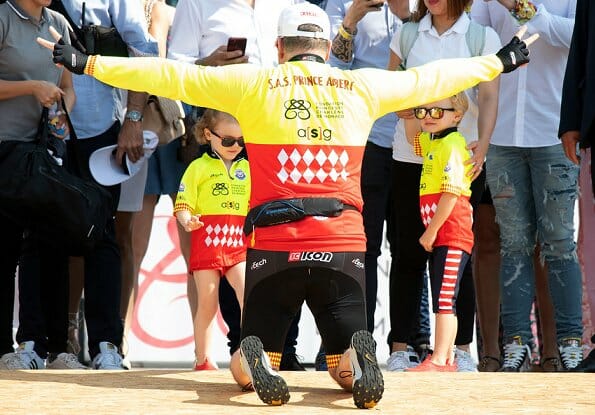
291	210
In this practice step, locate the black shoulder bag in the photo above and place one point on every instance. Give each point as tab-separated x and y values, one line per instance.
36	192
93	39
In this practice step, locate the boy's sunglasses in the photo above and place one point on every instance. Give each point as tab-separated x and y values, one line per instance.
229	141
435	112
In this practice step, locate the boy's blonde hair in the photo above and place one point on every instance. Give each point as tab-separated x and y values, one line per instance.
210	118
460	102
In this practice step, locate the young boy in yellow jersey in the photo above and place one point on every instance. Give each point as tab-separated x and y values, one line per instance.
444	191
212	203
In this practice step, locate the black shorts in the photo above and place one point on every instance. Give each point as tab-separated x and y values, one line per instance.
277	284
446	270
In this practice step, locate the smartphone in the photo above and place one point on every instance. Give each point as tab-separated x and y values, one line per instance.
237	43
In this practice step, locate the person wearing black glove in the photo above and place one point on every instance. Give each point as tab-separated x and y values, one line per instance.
515	53
68	56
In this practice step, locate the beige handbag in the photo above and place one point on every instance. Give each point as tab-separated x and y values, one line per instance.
165	117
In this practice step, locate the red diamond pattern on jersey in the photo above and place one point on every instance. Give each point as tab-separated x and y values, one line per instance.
219	243
224	235
427	212
304	165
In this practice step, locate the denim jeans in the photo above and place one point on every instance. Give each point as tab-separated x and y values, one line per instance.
534	192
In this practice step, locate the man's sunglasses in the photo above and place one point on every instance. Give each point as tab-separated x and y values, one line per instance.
229	141
435	112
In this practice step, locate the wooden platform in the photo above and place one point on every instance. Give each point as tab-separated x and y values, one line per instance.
149	392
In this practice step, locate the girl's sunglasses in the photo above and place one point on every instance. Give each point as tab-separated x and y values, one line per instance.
229	141
435	112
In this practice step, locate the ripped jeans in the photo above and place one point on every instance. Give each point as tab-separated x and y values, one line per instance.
534	192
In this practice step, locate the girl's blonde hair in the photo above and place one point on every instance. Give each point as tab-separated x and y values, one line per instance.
210	118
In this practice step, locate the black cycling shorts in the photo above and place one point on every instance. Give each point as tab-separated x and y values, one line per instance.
277	284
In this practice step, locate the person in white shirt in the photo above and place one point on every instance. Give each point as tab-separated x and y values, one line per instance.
199	34
441	33
533	184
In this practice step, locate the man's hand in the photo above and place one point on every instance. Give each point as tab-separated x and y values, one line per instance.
65	55
221	56
479	151
516	53
508	4
130	141
569	141
357	11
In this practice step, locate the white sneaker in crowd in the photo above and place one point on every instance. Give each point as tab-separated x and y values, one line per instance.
24	358
517	356
64	361
108	358
571	352
401	360
464	361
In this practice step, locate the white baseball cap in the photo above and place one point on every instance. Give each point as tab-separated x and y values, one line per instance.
106	170
293	17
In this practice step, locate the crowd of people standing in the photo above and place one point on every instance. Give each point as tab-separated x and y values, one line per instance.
523	183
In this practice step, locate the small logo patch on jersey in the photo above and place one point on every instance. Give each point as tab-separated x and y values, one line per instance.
240	174
181	188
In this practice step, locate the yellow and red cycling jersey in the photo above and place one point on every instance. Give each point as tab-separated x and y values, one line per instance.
221	197
444	171
305	125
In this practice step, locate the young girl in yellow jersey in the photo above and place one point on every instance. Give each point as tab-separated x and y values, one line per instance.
444	190
212	203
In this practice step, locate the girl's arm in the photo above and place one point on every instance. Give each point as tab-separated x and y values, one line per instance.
189	221
445	206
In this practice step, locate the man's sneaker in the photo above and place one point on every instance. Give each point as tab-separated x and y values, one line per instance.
268	384
289	361
571	353
464	361
320	361
24	358
517	356
401	360
64	361
368	384
108	358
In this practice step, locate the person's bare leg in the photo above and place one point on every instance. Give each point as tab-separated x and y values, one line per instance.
123	222
545	306
446	331
237	372
343	373
486	273
207	282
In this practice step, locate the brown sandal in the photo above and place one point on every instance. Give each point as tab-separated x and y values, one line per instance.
489	364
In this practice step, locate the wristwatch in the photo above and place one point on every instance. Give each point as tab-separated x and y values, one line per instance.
133	115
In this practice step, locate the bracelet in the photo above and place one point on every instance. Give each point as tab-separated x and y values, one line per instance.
345	34
523	11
